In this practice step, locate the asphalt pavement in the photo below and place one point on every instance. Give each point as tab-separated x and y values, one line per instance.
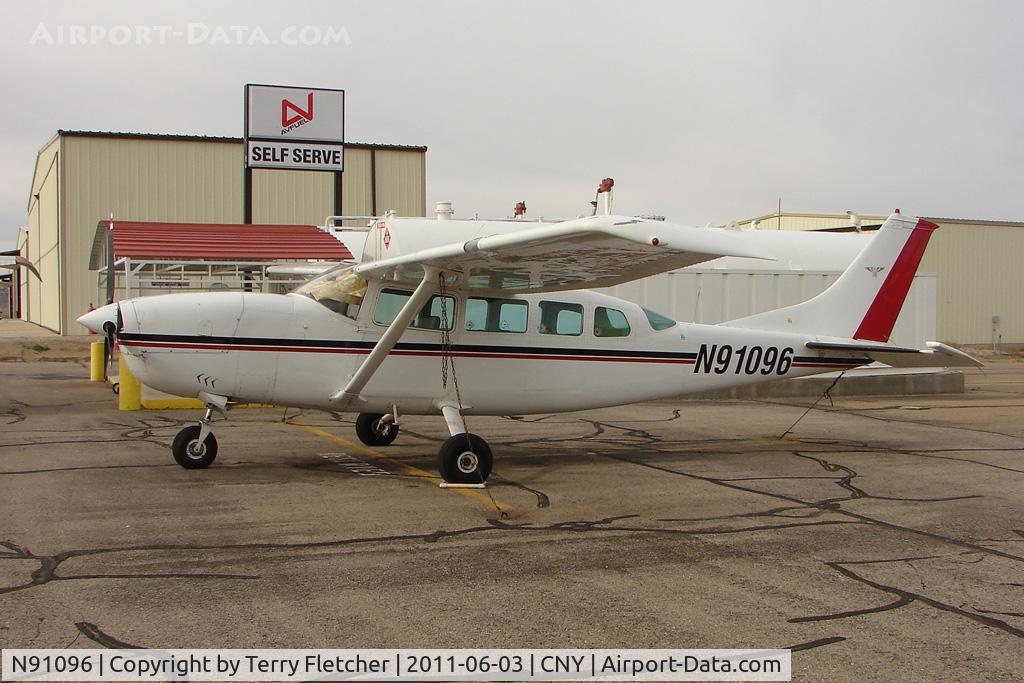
882	538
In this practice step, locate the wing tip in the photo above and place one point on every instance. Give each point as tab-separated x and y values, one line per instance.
947	350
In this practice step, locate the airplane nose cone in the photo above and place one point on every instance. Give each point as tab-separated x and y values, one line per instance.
94	320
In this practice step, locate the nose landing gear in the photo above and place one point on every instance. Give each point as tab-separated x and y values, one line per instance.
195	446
193	450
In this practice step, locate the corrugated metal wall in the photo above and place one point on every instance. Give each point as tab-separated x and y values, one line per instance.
980	276
142	179
190	181
292	197
41	299
713	296
398	184
357	184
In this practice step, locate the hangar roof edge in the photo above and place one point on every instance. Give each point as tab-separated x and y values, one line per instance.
879	218
216	138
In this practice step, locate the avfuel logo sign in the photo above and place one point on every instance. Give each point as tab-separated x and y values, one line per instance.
292	116
294	128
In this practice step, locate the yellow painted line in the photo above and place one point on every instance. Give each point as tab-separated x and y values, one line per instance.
405	467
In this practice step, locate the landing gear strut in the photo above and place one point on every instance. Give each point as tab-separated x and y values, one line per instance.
464	458
376	430
195	446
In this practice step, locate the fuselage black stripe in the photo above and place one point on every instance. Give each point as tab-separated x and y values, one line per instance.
401	346
437	347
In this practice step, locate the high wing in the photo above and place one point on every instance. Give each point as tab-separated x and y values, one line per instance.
937	355
586	253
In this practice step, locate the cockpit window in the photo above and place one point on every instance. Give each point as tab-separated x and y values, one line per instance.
339	289
658	321
436	314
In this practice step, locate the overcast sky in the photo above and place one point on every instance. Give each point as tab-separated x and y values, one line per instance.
701	111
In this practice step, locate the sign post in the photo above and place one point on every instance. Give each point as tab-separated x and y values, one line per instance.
295	129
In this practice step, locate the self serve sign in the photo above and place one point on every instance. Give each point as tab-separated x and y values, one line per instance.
305	155
296	128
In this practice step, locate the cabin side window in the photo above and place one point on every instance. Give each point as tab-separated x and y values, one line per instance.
496	315
560	318
436	314
609	322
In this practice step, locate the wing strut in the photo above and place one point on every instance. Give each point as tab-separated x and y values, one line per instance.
427	287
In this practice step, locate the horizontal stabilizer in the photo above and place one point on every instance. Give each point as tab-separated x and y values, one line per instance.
937	355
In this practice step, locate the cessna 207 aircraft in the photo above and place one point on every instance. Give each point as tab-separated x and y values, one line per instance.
503	305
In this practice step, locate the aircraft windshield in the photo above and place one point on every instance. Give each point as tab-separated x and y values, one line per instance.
658	321
339	289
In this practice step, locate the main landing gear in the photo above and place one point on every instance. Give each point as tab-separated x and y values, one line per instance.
195	447
376	430
463	460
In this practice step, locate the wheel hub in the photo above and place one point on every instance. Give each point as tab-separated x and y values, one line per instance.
467	462
381	427
195	449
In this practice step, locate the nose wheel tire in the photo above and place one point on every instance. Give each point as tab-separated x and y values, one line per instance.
191	454
372	431
465	459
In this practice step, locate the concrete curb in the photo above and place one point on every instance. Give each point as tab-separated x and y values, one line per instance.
945	382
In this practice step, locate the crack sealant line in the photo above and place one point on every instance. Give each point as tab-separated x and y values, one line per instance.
830	505
866	414
473	494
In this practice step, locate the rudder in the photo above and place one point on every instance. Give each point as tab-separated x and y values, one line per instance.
866	300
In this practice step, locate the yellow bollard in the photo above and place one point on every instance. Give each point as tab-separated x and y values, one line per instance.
129	396
97	373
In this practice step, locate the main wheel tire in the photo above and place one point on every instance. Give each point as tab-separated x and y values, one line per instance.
465	459
191	454
372	432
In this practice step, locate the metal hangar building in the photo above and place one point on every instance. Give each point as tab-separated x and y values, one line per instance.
83	177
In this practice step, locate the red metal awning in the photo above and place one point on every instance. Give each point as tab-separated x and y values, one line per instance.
217	242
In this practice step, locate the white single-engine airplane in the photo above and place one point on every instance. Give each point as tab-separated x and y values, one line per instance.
504	299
